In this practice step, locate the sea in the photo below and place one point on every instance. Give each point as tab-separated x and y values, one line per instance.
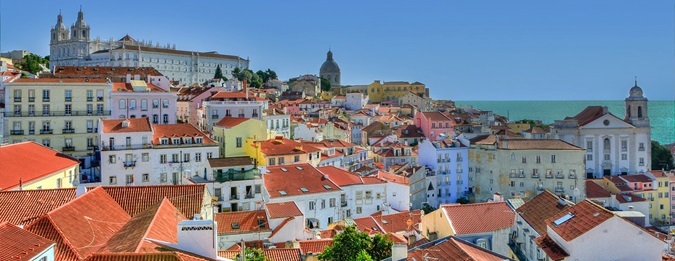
661	113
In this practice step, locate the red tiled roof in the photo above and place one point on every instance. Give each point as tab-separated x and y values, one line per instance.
19	244
82	226
157	222
538	209
537	144
629	197
28	162
231	95
126	87
394	223
594	190
453	249
284	146
229	122
589	114
23	207
247	220
165	256
61	80
294	179
135	125
283	209
478	218
369	225
636	178
587	215
551	248
178	131
283	254
135	199
435	116
345	178
314	246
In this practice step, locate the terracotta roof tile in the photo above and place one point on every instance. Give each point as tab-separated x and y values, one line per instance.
83	225
345	178
452	248
134	125
283	254
314	246
19	244
593	190
636	178
284	146
127	87
230	162
589	114
551	248
23	207
189	199
478	218
30	161
394	223
178	131
165	256
436	116
537	144
229	122
369	225
540	208
248	221
157	222
629	197
292	179
283	209
587	215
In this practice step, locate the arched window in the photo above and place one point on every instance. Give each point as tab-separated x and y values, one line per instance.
123	104
639	112
605	144
628	111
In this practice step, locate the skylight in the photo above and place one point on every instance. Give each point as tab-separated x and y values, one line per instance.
298	167
235	225
284	169
563	219
304	190
283	193
385	222
326	187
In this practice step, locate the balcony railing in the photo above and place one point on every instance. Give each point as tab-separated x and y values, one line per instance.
68	148
99	98
343	204
130	164
91	147
31	99
241	115
559	176
68	131
573	176
90	130
214	117
46	131
549	176
535	175
249	195
31	132
234	197
45	99
89	99
234	175
559	189
69	99
129	147
17	99
16	132
56	113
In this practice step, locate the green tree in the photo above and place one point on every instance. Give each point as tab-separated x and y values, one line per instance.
325	84
463	200
236	73
427	208
31	63
662	158
347	246
253	254
219	74
381	247
363	256
272	75
532	123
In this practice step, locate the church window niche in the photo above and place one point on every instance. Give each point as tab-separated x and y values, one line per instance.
628	111
639	112
84	33
605	144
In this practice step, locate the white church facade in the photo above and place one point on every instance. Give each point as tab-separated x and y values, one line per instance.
613	146
75	47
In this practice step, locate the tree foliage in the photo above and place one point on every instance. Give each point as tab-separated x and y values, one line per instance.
325	84
31	63
427	208
253	254
219	74
352	245
532	123
254	79
661	157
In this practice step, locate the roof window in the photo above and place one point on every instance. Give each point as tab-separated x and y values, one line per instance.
283	193
563	219
304	190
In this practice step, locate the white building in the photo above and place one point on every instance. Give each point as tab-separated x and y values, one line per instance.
278	122
134	152
613	146
139	99
422	101
308	132
317	197
239	104
449	158
75	47
356	101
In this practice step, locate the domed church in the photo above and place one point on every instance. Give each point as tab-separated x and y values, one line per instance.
330	70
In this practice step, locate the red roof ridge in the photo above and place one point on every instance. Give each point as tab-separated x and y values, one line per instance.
165	200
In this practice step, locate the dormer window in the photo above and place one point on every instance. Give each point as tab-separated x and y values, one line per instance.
164	141
198	140
175	141
187	140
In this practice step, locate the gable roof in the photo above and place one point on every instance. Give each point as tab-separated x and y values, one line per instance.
229	122
536	211
292	179
593	190
452	248
19	244
178	131
587	215
166	256
274	254
345	178
479	218
22	207
283	146
537	144
314	246
135	199
135	125
588	115
29	162
283	209
157	222
394	223
81	226
551	248
247	221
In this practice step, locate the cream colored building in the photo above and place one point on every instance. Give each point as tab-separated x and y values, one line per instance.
58	113
524	167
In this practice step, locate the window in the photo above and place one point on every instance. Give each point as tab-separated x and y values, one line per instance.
165	103
155	119
642	161
239	142
323	203
281	160
538	159
174	158
524	159
90	95
99	95
162	177
45	95
186	157
198	157
123	104
624	145
112	159
332	202
296	158
90	109
624	156
271	162
641	146
165	119
162	158
45	110
349	211
606	144
552	158
312	205
112	180
129	179
359	210
132	104
258	189
145	177
99	109
589	157
144	105
209	155
155	104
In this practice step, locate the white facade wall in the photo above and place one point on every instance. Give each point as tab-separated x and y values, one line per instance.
398	196
452	170
318	213
356	101
293	230
214	111
181	169
226	241
279	124
367	205
158	106
305	133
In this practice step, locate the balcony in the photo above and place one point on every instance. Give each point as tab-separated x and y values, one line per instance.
235	175
31	132
90	130
54	113
249	195
215	117
45	99
91	147
99	99
31	99
69	99
549	176
512	175
535	175
572	176
16	132
68	148
125	147
129	164
46	131
559	176
234	197
343	204
253	115
89	99
241	115
68	131
559	189
17	99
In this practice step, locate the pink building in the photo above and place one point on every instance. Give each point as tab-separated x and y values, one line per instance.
435	125
639	182
190	99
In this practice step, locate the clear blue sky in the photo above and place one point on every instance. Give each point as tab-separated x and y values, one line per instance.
462	50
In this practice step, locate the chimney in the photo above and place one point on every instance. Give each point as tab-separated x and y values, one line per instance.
399	252
604	110
246	88
80	190
194	237
497	197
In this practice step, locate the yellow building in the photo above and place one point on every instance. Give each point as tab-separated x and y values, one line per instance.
282	151
28	165
232	134
646	187
661	208
392	91
57	113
